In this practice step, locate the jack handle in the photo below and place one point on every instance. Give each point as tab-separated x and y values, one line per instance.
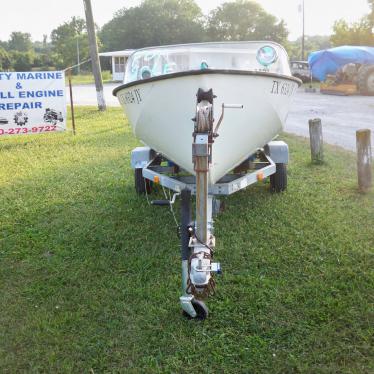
227	106
165	202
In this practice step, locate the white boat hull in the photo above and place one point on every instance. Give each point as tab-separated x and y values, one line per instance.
160	113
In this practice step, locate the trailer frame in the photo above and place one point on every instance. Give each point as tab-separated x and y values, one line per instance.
183	184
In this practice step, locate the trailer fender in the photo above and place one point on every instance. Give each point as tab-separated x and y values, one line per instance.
141	156
277	150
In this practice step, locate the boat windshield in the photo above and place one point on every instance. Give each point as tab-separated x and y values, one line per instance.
249	56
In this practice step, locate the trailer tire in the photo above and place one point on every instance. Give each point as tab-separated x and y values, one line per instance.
142	185
278	181
365	80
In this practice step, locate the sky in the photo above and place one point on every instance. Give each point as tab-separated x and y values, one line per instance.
39	17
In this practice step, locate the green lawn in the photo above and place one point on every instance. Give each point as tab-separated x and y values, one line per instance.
315	85
90	274
88	78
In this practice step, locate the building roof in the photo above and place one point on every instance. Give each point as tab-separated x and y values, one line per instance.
125	53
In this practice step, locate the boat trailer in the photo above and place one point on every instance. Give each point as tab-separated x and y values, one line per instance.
197	236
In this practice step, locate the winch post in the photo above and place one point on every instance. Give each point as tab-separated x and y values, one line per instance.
202	242
201	166
198	278
201	156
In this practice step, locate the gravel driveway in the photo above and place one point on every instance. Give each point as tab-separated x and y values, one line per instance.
341	115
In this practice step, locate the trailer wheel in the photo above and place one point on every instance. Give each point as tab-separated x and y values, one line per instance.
201	309
366	80
278	181
141	184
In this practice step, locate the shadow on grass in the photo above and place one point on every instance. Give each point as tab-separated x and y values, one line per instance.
90	274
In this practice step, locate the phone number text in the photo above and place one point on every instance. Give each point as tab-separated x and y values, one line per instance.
27	130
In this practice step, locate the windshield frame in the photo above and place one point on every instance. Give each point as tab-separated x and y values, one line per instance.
140	65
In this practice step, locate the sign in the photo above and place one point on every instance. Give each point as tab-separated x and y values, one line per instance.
32	102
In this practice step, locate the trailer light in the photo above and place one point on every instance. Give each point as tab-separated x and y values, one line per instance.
260	176
266	55
156	179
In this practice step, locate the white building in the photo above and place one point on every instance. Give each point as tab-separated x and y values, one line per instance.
119	59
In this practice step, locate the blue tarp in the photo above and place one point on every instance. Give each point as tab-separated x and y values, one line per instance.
329	61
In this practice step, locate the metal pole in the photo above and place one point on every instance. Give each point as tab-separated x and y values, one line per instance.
96	69
71	101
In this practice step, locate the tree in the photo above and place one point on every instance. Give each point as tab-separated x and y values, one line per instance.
3	45
154	22
43	61
22	61
42	46
65	39
371	14
357	33
312	44
20	41
245	20
5	63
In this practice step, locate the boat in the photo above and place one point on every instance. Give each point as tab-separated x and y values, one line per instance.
207	114
159	90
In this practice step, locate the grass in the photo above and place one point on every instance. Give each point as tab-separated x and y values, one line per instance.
90	274
88	78
315	85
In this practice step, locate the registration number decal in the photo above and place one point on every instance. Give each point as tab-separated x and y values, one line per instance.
131	97
282	88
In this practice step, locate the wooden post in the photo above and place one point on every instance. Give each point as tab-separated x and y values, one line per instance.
364	160
71	101
96	69
316	140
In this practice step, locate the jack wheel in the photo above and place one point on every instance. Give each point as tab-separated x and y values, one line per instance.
201	310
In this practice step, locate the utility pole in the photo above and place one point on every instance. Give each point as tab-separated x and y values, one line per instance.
78	57
77	35
96	69
303	37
